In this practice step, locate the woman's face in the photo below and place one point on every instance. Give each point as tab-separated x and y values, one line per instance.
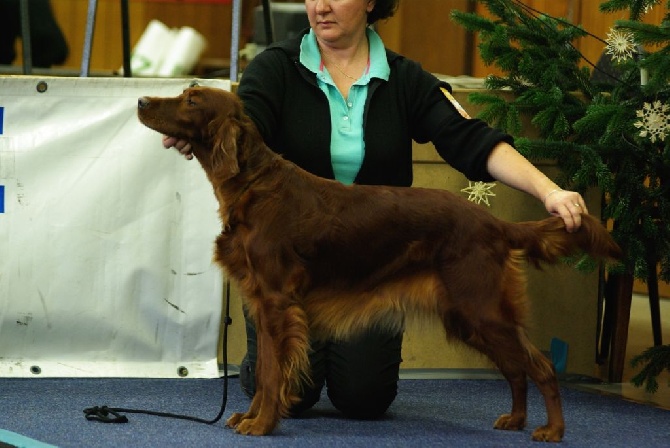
338	21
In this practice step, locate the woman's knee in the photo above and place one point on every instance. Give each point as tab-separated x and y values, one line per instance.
365	402
363	374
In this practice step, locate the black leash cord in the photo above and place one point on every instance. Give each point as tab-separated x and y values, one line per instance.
106	414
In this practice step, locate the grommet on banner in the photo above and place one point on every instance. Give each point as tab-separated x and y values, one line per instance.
42	86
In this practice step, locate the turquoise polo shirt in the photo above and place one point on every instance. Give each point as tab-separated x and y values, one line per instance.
347	144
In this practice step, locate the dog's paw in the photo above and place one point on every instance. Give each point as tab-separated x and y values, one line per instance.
235	419
254	427
548	434
510	422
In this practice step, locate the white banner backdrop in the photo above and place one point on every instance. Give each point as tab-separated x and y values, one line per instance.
106	238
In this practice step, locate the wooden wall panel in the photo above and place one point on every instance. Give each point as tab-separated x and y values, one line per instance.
212	20
428	35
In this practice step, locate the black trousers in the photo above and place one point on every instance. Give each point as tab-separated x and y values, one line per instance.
48	46
360	375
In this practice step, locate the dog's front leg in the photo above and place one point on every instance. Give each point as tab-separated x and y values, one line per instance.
283	339
262	416
235	419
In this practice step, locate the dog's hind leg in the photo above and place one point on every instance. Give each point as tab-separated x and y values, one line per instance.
542	372
516	419
500	344
511	351
489	315
539	369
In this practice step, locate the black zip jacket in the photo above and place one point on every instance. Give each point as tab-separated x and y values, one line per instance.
282	97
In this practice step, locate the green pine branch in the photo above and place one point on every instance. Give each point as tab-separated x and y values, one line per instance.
645	33
636	7
655	361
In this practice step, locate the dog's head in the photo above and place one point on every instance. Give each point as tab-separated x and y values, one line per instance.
211	119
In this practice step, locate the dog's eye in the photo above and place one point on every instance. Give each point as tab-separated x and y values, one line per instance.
190	102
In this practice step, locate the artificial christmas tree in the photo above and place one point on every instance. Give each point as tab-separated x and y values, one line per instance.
605	125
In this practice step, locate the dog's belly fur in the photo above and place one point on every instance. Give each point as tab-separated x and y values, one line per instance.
341	314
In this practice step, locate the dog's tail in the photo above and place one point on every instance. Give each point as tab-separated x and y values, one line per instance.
548	241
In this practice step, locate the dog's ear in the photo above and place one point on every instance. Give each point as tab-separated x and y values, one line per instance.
225	164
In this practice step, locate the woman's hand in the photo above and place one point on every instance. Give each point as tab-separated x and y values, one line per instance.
569	205
182	146
511	168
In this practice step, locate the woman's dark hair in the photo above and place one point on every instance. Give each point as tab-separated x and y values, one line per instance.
383	10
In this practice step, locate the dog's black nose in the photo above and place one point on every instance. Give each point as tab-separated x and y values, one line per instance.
142	102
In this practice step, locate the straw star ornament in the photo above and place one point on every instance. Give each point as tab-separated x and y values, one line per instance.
620	44
479	192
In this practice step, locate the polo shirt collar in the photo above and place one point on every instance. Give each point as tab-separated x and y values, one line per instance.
310	56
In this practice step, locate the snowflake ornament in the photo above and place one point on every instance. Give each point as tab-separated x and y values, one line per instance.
655	121
479	192
620	44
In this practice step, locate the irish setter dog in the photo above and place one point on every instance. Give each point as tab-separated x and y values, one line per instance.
318	259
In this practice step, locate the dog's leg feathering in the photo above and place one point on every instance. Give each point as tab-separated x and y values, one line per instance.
282	366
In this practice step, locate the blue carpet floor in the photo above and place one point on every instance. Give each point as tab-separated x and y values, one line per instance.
426	413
